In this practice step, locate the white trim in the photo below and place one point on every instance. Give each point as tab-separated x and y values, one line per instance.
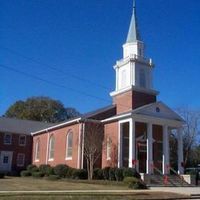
134	88
79	146
21	154
145	118
19	140
5	134
57	126
68	158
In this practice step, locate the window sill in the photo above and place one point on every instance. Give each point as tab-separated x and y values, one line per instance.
37	160
108	159
70	158
50	160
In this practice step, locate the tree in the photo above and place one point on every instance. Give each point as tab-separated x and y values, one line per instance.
42	109
93	142
191	131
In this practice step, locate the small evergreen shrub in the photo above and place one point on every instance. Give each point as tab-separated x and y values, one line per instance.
46	170
32	168
25	173
98	174
61	170
131	172
2	175
134	183
80	174
119	174
37	174
112	174
106	173
70	172
52	177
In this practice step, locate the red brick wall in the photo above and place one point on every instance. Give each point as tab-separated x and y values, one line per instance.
111	131
60	146
16	149
131	99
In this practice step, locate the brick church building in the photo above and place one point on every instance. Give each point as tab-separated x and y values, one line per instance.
136	126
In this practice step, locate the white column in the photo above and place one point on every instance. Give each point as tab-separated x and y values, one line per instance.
166	161
131	142
120	145
149	149
180	151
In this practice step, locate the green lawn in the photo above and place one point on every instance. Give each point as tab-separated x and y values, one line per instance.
35	184
117	191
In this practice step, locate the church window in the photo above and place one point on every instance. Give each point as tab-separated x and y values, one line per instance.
69	145
123	81
108	148
142	78
37	150
51	147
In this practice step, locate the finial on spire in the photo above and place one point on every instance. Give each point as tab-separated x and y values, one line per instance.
134	4
133	34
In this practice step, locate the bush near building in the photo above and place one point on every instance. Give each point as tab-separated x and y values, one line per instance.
129	176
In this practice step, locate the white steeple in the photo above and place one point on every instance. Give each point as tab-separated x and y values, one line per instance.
134	71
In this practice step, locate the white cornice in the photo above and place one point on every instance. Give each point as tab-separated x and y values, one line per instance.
134	88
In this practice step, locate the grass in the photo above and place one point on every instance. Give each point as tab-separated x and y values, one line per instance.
35	184
16	184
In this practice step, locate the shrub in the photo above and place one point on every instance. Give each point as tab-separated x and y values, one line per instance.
98	174
25	173
2	175
70	172
119	174
37	174
106	173
131	172
52	177
32	168
112	174
80	174
46	170
134	183
61	170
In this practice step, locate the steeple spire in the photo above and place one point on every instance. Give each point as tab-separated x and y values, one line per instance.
133	34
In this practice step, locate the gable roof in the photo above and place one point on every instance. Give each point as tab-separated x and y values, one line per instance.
158	109
12	125
98	114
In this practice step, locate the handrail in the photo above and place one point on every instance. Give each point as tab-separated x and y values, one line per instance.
178	175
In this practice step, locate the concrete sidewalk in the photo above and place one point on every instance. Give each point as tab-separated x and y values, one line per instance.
180	190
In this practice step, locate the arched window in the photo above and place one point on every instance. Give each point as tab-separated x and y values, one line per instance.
51	147
69	145
108	148
142	78
37	150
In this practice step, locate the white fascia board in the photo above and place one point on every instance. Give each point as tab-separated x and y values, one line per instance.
157	121
57	126
122	116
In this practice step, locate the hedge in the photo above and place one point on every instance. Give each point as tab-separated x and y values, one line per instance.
2	175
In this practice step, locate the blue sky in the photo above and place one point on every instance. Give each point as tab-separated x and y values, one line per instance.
84	38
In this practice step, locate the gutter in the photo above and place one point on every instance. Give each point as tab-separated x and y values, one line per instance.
57	126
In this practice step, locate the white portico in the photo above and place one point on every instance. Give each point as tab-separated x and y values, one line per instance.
156	114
